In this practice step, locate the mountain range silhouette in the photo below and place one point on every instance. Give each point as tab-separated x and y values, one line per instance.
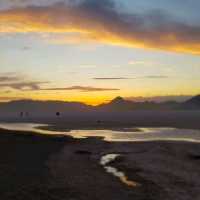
117	104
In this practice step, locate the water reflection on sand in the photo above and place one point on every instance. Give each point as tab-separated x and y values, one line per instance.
145	134
106	160
29	127
118	135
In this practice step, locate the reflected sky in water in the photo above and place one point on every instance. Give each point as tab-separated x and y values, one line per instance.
123	135
106	159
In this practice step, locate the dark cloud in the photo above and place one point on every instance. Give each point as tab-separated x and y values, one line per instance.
95	4
100	21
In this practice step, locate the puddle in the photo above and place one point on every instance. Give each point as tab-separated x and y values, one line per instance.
106	159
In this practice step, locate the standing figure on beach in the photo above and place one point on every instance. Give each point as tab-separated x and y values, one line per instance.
57	114
24	114
21	114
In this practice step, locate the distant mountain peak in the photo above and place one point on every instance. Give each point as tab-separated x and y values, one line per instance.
118	100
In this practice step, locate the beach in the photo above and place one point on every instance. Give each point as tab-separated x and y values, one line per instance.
99	100
188	119
35	166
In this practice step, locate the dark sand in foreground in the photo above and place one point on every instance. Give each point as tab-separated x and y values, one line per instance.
35	167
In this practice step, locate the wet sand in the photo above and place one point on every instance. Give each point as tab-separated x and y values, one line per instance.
35	167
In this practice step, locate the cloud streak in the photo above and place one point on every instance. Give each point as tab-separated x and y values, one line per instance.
16	83
100	21
111	78
155	77
81	89
34	85
139	77
8	78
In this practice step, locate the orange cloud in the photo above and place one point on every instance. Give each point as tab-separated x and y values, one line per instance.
99	21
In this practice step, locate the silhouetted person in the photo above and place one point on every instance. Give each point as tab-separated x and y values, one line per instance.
57	114
21	114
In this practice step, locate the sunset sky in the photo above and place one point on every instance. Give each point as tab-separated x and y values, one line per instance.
94	50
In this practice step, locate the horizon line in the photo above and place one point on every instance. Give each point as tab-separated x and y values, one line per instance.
155	99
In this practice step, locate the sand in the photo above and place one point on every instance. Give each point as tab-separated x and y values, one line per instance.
112	120
35	167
